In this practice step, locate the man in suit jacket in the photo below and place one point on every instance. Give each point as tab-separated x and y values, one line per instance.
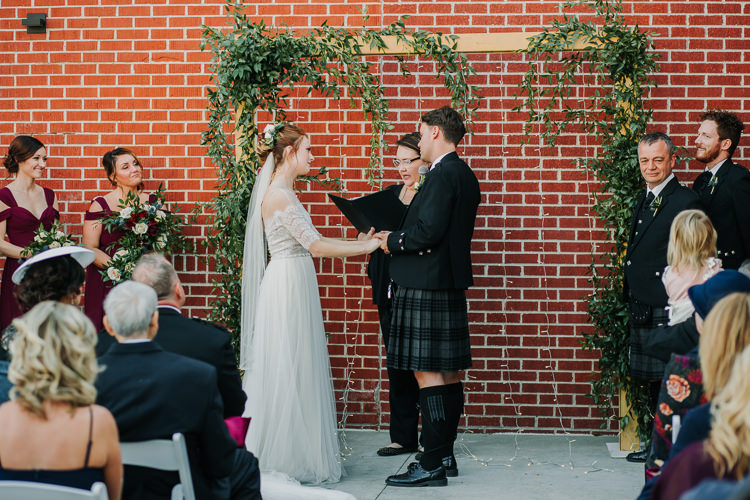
153	394
431	269
194	338
724	186
646	255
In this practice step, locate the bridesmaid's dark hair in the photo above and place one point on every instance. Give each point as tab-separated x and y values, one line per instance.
288	135
21	149
411	141
109	162
51	279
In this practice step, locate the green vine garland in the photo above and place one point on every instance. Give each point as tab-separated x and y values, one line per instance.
613	69
254	67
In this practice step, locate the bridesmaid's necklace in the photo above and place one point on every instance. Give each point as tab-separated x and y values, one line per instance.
404	194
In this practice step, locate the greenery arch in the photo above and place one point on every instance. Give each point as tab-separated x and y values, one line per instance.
618	59
253	67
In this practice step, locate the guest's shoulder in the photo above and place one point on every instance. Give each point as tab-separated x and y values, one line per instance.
214	330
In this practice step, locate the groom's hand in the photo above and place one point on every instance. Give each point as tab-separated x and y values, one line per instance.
383	237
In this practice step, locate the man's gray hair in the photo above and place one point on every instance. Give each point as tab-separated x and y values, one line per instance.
653	137
154	270
129	308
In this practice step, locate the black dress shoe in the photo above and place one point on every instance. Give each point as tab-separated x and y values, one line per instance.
418	455
416	475
390	451
451	467
637	456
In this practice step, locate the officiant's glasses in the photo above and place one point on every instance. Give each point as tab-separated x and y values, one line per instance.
406	163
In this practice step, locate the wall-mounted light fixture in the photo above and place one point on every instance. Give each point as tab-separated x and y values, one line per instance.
35	23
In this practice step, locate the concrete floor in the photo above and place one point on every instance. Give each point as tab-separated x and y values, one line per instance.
495	466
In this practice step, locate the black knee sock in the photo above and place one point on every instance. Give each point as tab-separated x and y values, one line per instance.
454	405
432	402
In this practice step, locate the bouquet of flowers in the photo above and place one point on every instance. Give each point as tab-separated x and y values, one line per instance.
45	239
144	227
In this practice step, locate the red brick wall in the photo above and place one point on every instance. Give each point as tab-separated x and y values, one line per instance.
118	73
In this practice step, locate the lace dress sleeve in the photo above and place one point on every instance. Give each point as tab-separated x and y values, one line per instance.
297	221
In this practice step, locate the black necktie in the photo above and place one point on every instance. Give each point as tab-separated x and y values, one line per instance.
705	188
645	212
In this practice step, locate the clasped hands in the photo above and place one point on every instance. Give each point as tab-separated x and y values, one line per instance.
382	238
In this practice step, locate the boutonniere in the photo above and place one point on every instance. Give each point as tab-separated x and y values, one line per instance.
712	183
655	204
422	172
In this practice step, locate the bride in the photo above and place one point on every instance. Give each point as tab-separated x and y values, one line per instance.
283	346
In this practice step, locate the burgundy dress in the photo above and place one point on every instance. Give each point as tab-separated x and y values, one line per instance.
96	288
20	225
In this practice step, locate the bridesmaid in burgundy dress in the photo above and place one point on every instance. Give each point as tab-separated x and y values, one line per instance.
125	172
23	206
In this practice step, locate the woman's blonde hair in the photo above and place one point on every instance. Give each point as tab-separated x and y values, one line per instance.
726	332
53	357
692	240
729	440
287	135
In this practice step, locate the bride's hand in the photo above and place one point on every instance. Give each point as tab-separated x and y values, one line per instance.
368	236
372	244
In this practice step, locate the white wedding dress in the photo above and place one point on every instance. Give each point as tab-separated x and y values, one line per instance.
288	379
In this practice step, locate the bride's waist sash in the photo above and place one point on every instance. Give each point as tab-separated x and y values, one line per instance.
288	255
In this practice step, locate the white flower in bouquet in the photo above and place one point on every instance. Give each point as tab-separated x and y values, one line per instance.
160	215
68	244
38	238
113	274
147	207
140	228
54	244
59	234
121	253
161	242
125	212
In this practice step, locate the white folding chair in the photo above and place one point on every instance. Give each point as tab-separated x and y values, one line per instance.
25	490
163	454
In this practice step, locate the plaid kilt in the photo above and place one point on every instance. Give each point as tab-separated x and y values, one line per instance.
429	331
643	366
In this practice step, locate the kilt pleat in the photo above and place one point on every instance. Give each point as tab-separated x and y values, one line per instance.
643	366
429	331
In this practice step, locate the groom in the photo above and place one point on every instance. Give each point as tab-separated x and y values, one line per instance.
431	269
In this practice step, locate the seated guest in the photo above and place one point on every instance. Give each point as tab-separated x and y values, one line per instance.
682	387
51	431
726	452
54	274
193	338
153	394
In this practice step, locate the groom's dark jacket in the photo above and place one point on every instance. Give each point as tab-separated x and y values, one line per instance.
432	250
153	394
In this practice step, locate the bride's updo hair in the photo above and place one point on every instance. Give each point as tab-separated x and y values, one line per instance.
21	149
288	135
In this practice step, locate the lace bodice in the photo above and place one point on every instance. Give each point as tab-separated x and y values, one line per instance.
290	231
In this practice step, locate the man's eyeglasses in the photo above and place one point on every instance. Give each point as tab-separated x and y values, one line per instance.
406	163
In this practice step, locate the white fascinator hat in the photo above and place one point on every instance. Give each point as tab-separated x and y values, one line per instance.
82	255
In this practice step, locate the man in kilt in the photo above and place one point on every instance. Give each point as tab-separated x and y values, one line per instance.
646	256
430	272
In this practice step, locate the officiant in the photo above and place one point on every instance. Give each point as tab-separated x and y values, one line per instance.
403	395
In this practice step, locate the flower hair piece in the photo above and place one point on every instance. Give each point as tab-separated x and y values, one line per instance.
270	132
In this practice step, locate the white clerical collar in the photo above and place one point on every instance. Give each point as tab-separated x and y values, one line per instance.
658	189
717	167
439	158
135	341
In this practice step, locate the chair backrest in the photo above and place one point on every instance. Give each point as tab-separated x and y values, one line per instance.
163	454
24	490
